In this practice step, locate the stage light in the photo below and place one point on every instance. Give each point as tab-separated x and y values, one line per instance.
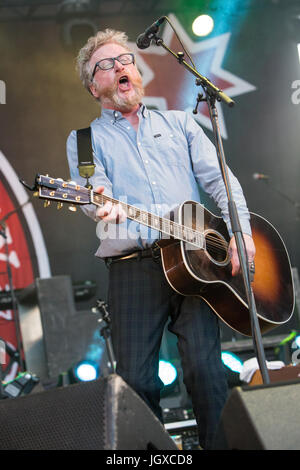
203	25
167	372
232	361
21	385
86	371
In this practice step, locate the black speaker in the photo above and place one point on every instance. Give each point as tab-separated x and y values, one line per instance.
55	335
101	415
261	418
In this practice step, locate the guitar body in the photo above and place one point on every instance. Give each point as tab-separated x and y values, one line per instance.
207	272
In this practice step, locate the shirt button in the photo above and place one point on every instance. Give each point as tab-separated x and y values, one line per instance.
128	127
153	182
139	143
146	161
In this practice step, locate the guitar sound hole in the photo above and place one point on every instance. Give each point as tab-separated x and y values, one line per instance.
216	247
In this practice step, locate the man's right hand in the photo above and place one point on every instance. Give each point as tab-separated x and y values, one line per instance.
110	213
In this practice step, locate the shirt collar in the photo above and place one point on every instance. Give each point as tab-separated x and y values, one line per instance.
113	115
143	111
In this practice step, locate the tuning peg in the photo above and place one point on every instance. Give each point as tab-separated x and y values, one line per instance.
35	194
72	208
59	205
47	203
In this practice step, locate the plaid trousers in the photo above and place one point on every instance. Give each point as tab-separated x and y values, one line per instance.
140	303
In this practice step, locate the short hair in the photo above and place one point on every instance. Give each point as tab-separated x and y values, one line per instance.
93	43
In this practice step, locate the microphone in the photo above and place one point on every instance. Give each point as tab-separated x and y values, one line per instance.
143	40
260	176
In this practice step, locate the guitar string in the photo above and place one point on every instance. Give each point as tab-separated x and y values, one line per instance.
212	241
223	245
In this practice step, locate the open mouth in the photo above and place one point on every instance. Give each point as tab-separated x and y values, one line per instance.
123	79
124	83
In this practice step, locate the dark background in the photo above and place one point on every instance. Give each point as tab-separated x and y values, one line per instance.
45	101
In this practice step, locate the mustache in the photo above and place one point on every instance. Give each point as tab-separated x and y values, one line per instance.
136	80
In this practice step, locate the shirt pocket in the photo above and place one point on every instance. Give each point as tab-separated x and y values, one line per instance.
171	149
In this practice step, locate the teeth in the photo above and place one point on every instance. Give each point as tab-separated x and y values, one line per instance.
123	80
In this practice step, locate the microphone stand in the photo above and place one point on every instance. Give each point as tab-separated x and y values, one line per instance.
213	94
296	204
10	281
105	332
2	353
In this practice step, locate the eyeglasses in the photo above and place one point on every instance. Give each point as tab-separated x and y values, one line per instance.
109	63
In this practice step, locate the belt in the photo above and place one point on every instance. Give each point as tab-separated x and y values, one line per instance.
152	252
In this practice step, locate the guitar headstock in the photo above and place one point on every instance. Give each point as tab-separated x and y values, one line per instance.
57	189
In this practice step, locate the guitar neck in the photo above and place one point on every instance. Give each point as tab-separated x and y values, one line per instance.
161	224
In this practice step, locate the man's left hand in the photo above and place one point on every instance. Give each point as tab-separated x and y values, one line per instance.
250	248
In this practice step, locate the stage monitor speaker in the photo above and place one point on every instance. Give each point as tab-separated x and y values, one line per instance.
101	415
266	417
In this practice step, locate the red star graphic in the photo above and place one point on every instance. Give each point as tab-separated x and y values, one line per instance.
177	84
169	85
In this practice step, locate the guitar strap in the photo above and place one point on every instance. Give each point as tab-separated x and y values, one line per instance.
86	164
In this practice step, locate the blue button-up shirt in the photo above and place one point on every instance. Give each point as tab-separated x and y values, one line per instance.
156	169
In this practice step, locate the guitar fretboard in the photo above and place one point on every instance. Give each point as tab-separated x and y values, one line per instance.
162	224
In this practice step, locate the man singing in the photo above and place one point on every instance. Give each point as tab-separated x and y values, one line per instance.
155	160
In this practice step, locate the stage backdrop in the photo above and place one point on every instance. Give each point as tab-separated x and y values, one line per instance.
251	54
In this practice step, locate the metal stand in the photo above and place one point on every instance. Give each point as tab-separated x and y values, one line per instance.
294	203
105	332
13	296
213	94
14	357
1	381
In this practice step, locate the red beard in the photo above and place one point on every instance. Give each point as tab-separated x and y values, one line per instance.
124	103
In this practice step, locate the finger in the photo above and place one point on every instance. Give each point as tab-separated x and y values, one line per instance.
99	189
105	210
117	215
235	265
112	215
235	262
122	216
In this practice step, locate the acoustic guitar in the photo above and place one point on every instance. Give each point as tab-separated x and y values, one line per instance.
194	250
